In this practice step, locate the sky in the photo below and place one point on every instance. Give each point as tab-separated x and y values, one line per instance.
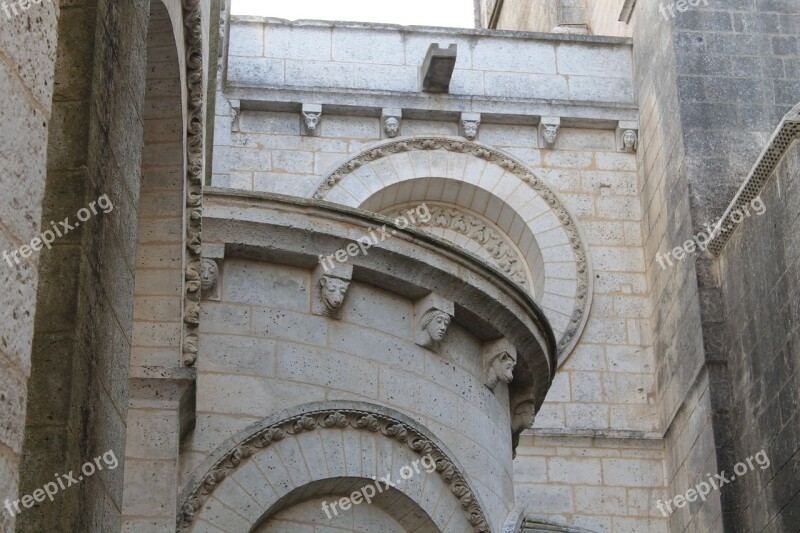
452	13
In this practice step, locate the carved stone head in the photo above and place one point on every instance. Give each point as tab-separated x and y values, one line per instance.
629	141
435	323
501	369
312	120
524	416
333	290
549	133
471	128
499	359
208	274
392	127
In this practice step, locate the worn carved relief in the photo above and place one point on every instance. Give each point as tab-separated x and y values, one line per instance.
392	127
194	177
630	141
499	359
434	323
524	416
493	241
334	419
518	169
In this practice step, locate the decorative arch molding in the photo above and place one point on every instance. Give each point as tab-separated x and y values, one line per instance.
477	234
229	459
195	147
568	278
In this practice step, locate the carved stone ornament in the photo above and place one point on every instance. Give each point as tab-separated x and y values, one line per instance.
376	423
512	166
549	127
236	113
208	274
627	135
312	114
432	315
330	287
470	122
392	127
499	359
523	418
496	243
630	141
195	144
391	121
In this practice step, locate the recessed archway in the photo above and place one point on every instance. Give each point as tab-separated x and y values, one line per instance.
317	449
317	505
501	189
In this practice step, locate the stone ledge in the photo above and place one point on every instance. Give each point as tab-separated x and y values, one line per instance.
537	36
166	388
787	132
265	226
500	110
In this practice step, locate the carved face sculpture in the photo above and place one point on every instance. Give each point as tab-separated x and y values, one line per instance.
503	367
333	291
435	323
312	119
524	416
470	128
392	127
550	132
629	140
208	274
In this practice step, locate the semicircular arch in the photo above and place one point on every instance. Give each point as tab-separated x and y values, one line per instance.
491	184
256	472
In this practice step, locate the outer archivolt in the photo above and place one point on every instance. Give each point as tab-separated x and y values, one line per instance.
335	419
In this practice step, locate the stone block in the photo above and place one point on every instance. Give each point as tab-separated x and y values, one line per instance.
385	78
303	43
502	55
368	46
351	127
256	72
633	472
573	471
523	85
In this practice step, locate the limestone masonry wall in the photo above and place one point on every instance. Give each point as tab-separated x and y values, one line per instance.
265	351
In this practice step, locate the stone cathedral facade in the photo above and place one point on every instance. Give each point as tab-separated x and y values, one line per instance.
541	275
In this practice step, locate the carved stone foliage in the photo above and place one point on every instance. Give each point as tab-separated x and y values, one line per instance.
334	419
194	176
495	242
512	166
